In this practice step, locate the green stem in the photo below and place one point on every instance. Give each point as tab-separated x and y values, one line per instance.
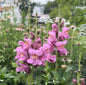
29	13
47	28
42	36
29	16
56	67
71	52
36	25
78	75
30	78
46	83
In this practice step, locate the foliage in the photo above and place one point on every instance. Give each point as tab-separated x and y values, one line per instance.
11	33
66	9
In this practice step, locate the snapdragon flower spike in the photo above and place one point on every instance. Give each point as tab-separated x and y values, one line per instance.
26	44
36	57
60	47
22	67
52	37
64	34
21	54
37	44
54	28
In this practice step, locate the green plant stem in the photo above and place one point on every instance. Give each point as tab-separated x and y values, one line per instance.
29	18
78	75
30	78
46	83
42	36
71	52
47	28
56	67
36	25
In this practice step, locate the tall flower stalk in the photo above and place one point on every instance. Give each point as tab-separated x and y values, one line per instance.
35	52
29	16
71	51
56	68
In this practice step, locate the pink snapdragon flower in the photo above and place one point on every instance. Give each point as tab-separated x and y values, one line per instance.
51	58
64	34
52	48
82	81
74	82
45	48
52	37
23	67
26	44
54	28
62	23
21	54
32	35
60	47
36	57
37	44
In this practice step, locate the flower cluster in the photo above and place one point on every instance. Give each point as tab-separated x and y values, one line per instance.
35	54
57	40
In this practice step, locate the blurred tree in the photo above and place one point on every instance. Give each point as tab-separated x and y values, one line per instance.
63	8
23	8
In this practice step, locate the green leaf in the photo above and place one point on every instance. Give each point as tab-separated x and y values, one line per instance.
3	70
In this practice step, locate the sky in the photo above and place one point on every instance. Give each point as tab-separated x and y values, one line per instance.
41	1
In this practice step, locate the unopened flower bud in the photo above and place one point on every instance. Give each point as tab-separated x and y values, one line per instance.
64	66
